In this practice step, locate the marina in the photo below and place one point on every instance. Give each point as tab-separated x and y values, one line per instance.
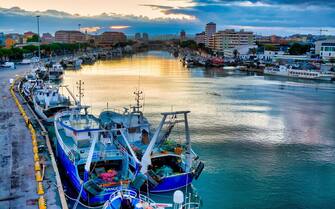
188	104
230	128
133	134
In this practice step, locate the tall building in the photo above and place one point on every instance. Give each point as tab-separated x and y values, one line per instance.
47	38
182	36
69	36
200	38
209	32
2	39
111	38
145	37
228	39
137	36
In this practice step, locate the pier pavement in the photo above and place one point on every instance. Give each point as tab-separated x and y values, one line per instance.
18	188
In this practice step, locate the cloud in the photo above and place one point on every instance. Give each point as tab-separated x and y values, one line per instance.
262	13
119	27
153	6
168	10
91	29
21	21
262	16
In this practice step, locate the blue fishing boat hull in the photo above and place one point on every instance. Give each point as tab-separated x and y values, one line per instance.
73	178
172	183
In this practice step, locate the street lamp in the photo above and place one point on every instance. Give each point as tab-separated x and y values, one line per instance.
38	38
79	25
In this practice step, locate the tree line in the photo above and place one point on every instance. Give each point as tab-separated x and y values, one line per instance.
47	50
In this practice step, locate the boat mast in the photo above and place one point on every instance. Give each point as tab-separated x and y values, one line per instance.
188	144
138	99
80	91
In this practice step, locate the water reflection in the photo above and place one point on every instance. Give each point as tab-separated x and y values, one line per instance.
266	141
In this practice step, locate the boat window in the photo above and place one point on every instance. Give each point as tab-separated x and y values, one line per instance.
132	130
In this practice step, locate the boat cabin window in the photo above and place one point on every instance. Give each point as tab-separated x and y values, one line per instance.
132	130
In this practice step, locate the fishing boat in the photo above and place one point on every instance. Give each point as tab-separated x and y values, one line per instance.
130	199
297	72
25	62
48	101
71	63
30	82
56	72
7	65
95	163
40	70
168	165
217	62
87	59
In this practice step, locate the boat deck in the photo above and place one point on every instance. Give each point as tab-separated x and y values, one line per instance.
103	147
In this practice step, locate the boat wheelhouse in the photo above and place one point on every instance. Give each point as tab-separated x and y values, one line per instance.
56	72
96	164
30	84
40	70
48	101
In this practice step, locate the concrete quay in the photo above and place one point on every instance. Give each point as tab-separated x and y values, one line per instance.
20	186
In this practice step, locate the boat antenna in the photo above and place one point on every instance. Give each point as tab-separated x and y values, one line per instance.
80	88
138	99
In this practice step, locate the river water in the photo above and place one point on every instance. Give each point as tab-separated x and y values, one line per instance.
267	142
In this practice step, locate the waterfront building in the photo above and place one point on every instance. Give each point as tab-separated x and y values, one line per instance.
231	39
261	40
108	39
242	52
200	38
182	36
268	55
211	42
69	36
297	38
325	48
28	35
47	38
209	32
9	43
137	36
15	36
2	39
145	37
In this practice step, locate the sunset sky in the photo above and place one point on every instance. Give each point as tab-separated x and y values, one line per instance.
282	17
